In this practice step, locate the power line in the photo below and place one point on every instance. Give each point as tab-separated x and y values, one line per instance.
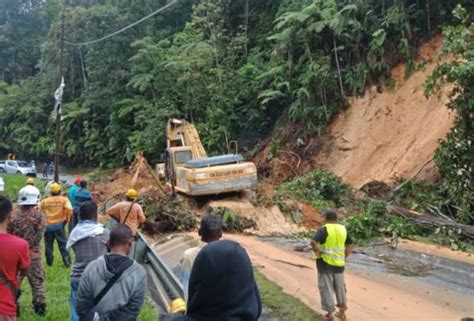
123	29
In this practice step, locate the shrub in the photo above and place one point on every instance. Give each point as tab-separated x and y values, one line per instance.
320	188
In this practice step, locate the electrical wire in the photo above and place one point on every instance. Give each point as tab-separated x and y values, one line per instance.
86	43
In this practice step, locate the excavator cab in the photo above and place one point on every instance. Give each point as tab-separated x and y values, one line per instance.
192	172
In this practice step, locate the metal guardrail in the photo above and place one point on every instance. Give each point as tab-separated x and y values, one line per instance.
163	284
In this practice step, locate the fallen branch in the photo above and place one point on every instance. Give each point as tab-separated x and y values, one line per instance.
417	172
434	221
293	264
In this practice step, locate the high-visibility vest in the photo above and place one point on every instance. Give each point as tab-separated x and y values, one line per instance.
334	247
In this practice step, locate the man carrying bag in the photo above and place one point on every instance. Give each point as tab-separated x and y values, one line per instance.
113	286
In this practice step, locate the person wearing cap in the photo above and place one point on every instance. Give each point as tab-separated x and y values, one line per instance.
331	246
128	212
30	224
58	212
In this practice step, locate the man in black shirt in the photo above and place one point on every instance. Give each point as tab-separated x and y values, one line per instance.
331	245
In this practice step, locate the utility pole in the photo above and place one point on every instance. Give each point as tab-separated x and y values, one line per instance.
58	98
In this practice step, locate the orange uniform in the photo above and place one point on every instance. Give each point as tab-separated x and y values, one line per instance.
57	208
120	210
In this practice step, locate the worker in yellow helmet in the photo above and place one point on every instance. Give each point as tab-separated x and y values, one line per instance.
128	212
331	246
58	212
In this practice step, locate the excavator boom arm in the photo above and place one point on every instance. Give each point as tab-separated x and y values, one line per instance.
181	133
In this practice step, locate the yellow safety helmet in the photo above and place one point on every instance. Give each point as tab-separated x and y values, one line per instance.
30	181
55	188
132	194
178	306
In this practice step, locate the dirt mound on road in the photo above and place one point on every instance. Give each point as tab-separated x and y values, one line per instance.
387	136
269	221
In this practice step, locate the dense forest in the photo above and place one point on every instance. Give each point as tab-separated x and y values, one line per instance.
235	68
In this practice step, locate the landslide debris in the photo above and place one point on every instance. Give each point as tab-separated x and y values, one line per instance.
245	212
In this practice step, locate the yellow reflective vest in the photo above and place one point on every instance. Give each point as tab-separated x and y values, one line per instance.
334	247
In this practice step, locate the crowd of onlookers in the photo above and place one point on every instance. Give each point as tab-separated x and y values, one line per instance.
108	284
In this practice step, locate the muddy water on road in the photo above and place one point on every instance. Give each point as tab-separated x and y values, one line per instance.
442	272
383	284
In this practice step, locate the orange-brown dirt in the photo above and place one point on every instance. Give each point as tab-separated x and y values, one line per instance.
382	137
119	183
269	221
387	136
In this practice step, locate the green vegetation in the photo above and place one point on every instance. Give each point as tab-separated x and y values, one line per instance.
368	217
319	188
14	182
283	306
165	216
455	157
233	222
213	62
421	196
57	295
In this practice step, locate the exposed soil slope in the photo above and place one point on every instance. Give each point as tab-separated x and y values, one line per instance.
385	136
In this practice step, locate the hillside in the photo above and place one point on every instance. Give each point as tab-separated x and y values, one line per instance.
387	136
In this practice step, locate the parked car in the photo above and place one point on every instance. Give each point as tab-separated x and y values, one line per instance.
17	167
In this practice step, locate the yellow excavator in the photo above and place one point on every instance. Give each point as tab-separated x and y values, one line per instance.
190	171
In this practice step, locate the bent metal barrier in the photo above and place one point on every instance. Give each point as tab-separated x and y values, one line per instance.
163	284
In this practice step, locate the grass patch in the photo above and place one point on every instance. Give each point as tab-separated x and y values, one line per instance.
284	306
57	295
14	182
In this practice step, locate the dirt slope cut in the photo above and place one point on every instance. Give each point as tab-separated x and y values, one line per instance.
385	136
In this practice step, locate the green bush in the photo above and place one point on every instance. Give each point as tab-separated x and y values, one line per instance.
232	222
419	195
320	188
375	222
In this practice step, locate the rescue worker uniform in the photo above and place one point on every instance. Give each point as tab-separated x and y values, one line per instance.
30	225
58	212
332	239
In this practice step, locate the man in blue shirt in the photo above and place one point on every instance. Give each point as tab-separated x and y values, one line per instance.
81	195
72	197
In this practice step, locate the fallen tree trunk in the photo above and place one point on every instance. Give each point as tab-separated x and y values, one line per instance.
430	220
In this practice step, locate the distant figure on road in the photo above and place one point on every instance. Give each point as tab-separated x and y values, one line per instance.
88	241
30	225
58	212
210	231
128	212
331	246
51	168
113	286
45	170
222	285
14	262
